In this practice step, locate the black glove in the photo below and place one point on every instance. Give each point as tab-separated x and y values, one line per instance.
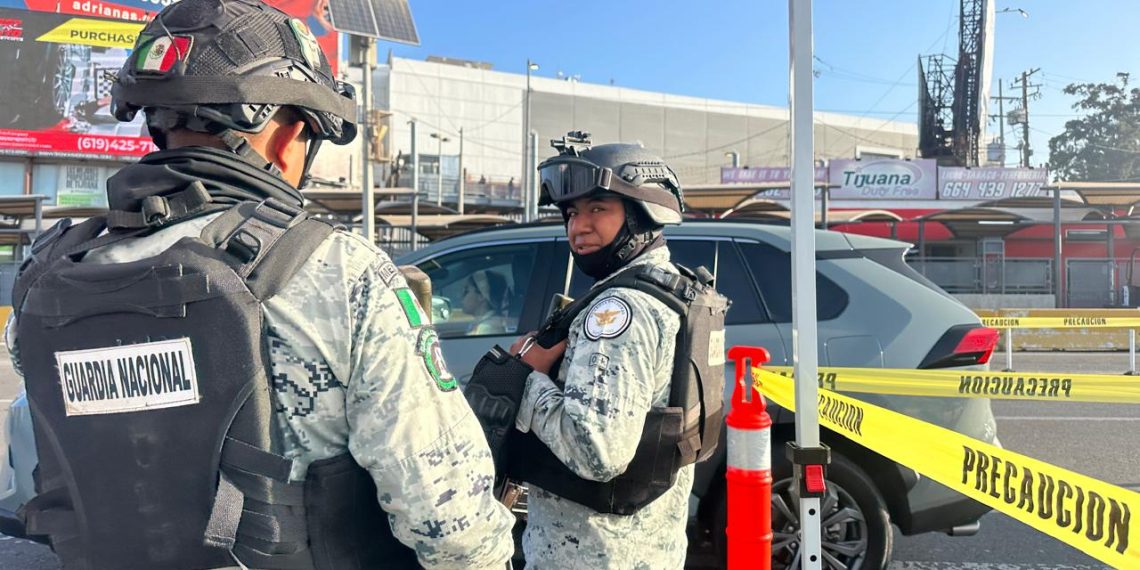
494	393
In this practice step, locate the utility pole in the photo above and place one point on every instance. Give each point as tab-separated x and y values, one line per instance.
1026	152
1001	118
368	201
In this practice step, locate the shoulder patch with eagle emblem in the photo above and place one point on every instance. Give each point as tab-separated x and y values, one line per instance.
608	318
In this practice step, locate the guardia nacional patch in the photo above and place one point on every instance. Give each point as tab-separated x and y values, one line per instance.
608	318
308	42
428	347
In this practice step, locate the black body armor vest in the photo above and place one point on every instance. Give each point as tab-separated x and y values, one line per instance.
153	417
684	432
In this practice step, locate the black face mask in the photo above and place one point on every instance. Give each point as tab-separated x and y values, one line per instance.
637	236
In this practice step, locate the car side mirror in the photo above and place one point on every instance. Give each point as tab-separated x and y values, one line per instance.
440	309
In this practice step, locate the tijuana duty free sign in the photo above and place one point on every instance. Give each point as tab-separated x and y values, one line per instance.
128	378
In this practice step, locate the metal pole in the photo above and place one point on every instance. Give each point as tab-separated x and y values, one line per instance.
1132	351
462	173
922	244
39	209
804	344
1025	150
368	200
1111	251
824	191
525	180
532	187
1008	350
1058	300
1001	123
415	186
439	172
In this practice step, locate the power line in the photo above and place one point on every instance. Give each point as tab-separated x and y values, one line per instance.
1090	143
726	145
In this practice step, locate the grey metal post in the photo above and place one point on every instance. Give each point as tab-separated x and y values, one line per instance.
922	244
1114	295
804	339
368	199
1132	351
528	167
462	173
532	186
1058	300
39	209
823	205
439	170
1008	350
415	186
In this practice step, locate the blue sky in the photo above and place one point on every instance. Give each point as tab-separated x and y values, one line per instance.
737	49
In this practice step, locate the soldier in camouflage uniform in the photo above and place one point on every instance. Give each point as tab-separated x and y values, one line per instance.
618	363
353	362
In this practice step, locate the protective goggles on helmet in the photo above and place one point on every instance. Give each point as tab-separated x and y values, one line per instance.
566	178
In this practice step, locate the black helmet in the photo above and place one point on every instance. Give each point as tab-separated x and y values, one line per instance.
220	65
625	169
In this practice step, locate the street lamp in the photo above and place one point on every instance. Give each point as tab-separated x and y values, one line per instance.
735	155
439	168
528	168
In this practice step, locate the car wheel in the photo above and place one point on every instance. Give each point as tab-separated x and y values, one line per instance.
856	533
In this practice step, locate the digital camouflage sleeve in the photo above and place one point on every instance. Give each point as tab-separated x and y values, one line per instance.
356	365
618	364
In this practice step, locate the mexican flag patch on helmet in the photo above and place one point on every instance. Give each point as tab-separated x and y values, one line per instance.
161	53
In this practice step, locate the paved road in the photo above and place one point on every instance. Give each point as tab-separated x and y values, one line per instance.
1098	440
1094	439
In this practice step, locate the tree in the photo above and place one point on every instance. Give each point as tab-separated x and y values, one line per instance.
1103	145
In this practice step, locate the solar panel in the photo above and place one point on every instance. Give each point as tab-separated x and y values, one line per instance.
394	21
353	17
385	19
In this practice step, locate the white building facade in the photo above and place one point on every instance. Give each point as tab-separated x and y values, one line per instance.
697	136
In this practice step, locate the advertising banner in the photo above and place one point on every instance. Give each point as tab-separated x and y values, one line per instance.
82	186
884	179
955	183
60	58
756	174
767	174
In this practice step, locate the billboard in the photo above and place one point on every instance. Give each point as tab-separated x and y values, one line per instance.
758	174
883	179
955	183
60	58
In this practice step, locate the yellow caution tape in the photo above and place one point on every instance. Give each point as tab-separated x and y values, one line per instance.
99	33
1090	515
1033	386
1061	322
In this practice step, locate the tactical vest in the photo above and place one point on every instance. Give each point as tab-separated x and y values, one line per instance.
153	417
684	432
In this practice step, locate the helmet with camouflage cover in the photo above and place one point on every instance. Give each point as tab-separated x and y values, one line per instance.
219	66
627	170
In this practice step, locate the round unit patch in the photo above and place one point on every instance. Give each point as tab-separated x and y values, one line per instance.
428	347
608	318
